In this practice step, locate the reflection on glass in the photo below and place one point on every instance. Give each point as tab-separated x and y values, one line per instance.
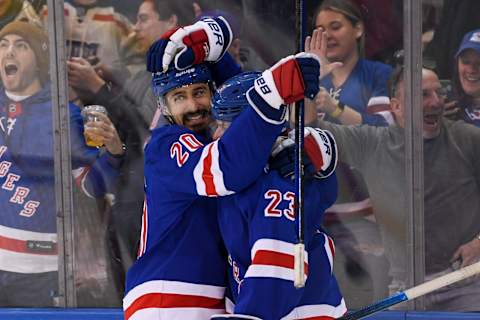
357	93
368	223
451	198
28	237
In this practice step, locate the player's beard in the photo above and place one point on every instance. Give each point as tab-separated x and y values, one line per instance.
198	121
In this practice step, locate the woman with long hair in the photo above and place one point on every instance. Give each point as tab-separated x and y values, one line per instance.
356	92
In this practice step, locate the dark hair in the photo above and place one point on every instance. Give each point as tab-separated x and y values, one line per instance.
183	9
351	12
395	78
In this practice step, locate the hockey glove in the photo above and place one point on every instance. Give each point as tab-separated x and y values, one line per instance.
289	80
233	317
205	40
283	160
320	154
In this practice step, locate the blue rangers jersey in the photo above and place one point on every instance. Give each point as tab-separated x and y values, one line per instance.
181	269
258	228
28	238
366	91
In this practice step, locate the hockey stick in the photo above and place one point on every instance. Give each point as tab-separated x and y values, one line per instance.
415	292
299	248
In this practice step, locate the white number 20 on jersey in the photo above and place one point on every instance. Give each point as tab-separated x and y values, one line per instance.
180	150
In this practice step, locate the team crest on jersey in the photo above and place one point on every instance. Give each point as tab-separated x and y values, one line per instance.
7	124
335	93
236	273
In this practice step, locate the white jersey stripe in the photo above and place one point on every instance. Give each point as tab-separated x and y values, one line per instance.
143	233
27	262
174	313
217	172
269	271
27	235
319	310
274	245
378	101
198	173
229	305
214	169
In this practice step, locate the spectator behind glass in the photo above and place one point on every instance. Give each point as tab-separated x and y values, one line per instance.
356	92
452	180
383	24
466	79
244	54
456	19
131	108
28	250
95	35
17	10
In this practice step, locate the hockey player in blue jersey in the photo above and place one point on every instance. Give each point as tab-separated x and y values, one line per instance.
180	272
28	213
258	226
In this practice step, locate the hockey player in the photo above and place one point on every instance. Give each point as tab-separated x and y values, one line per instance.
180	272
258	228
28	230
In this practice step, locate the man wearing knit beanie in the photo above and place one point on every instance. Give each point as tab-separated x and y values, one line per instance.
14	34
28	226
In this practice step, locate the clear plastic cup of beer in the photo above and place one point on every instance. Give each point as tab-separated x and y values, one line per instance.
87	115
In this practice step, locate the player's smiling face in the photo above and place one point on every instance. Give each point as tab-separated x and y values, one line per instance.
469	72
18	66
190	106
342	35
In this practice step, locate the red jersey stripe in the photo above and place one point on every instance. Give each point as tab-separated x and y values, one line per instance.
172	300
207	175
332	246
278	259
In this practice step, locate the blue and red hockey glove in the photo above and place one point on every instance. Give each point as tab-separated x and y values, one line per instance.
289	80
206	40
320	154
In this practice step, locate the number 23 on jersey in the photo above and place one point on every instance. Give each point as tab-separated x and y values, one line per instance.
279	200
